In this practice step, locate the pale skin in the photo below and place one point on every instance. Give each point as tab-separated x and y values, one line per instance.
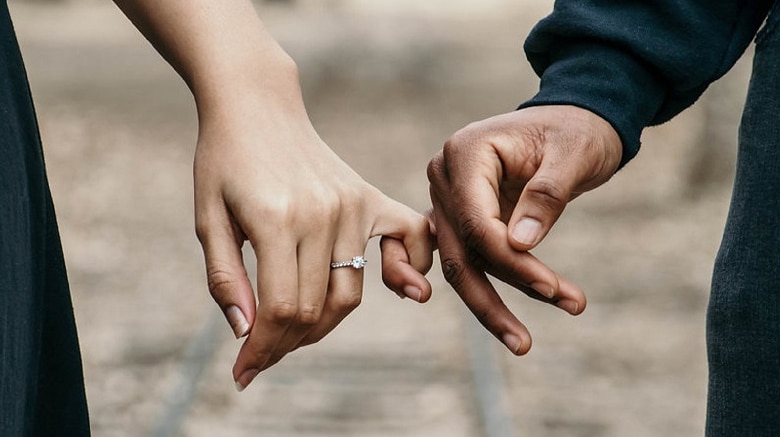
263	175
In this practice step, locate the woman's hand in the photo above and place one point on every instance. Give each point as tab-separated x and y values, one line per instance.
262	174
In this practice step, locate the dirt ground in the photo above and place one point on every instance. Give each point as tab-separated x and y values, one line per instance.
386	82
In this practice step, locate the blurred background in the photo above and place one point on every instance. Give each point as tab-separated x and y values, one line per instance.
386	83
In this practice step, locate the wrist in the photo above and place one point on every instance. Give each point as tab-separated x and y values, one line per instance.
263	80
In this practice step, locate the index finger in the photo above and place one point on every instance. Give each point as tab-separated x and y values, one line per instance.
476	291
468	194
227	278
277	298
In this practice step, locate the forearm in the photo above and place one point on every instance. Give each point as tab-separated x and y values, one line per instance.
220	48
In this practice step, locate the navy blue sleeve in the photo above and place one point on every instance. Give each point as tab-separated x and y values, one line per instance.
638	63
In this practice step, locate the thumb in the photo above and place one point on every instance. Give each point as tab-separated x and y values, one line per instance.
581	152
541	203
227	278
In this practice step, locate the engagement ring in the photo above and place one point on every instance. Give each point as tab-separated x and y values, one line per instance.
357	262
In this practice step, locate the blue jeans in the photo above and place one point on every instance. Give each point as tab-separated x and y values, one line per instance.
743	320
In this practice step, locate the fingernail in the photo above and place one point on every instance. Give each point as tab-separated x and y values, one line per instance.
545	290
413	292
527	231
569	306
237	321
245	379
512	342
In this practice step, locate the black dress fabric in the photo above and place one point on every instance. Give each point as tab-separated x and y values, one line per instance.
41	382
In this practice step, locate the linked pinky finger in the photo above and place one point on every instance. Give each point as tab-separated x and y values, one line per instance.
476	291
399	275
398	221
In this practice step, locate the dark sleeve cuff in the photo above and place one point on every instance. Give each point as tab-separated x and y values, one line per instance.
603	80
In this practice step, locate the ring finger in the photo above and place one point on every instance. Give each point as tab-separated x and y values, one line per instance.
345	291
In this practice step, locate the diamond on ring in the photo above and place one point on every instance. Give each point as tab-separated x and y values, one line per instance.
357	262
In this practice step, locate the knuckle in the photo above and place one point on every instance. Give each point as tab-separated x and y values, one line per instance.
458	147
536	137
548	192
317	206
220	281
348	301
276	209
308	315
282	311
454	271
475	258
348	202
436	168
278	206
472	230
461	138
420	227
475	134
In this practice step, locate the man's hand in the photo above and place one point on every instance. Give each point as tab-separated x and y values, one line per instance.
497	187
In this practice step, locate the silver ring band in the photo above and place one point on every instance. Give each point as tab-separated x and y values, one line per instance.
357	262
